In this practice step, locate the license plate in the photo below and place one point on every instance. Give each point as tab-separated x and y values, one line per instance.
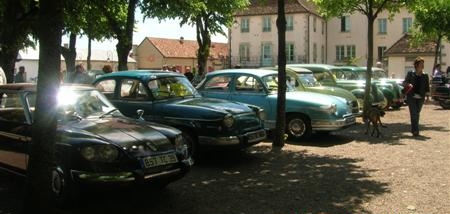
149	162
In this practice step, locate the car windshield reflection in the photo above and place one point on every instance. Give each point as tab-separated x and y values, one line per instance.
170	87
82	103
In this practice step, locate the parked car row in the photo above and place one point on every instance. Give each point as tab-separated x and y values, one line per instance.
149	126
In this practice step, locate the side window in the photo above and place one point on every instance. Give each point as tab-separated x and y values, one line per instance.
248	83
218	83
11	108
132	89
107	87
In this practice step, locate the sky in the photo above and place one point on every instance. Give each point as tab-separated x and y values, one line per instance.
149	28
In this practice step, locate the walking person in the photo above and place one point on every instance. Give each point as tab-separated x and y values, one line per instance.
21	76
419	92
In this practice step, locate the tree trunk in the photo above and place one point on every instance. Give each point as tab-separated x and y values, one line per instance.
38	197
70	55
279	138
125	37
88	59
8	59
368	88
204	43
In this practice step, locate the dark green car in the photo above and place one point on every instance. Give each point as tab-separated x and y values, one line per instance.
390	88
326	75
169	98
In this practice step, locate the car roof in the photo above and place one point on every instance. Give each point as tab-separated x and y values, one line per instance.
311	65
253	71
33	86
140	74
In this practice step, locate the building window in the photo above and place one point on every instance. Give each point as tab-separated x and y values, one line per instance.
290	54
314	24
323	27
381	51
266	24
244	52
382	26
266	54
345	24
245	27
351	52
314	53
345	52
322	54
289	23
340	53
407	23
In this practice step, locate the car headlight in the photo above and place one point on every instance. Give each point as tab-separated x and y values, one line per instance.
179	142
261	114
331	109
228	120
101	153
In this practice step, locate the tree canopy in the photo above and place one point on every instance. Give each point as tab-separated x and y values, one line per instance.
369	8
432	22
208	17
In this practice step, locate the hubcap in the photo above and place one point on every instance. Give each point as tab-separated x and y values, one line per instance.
297	127
57	182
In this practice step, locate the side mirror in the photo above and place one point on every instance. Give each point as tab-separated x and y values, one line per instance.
140	112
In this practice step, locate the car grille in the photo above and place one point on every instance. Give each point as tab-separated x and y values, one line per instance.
247	122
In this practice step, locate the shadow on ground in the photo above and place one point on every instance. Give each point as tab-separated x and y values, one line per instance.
257	181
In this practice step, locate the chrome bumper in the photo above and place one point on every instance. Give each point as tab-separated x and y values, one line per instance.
247	138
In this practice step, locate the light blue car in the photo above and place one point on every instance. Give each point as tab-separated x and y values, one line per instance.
305	111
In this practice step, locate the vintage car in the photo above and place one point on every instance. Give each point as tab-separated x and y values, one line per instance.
305	111
307	82
169	98
326	75
440	91
390	88
95	144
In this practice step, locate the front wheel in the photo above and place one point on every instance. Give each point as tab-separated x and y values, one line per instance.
192	144
298	127
63	194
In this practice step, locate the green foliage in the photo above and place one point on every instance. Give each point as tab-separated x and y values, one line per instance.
216	13
431	19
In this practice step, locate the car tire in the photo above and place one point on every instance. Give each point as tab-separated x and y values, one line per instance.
192	144
63	193
298	127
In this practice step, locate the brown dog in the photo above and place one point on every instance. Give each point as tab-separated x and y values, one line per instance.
373	115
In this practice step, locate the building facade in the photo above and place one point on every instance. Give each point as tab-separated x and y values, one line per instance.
154	53
310	39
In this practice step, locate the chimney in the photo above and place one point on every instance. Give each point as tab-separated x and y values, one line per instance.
181	40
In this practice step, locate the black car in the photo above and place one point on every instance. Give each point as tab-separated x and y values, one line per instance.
440	91
95	144
169	98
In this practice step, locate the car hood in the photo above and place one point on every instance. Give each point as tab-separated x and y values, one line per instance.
120	131
335	91
214	106
313	98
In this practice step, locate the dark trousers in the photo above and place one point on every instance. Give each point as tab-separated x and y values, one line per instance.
415	106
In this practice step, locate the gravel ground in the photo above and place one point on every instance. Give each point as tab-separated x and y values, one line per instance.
344	172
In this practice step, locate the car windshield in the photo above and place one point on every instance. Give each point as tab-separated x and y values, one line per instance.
169	87
308	80
271	82
82	103
324	77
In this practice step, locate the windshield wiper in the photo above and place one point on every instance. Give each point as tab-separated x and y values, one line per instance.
108	112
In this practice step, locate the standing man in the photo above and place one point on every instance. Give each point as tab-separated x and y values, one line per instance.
21	76
416	97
